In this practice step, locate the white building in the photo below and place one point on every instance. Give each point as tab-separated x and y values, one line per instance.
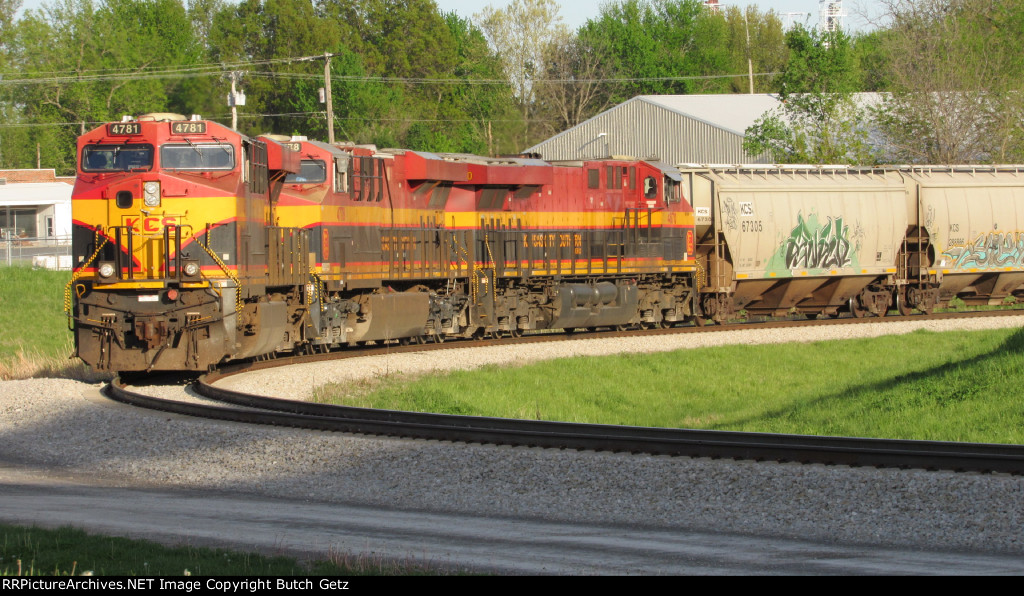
35	204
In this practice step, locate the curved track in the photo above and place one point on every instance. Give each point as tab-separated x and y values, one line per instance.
691	443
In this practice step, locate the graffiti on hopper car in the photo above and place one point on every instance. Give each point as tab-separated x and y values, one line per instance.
993	249
813	246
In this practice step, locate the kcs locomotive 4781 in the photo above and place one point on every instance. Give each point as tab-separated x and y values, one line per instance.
196	245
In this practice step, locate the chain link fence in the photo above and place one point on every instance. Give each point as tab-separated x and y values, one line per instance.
48	253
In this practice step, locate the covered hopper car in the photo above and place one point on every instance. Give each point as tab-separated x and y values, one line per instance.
195	245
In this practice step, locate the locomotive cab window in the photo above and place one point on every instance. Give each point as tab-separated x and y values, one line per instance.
341	174
197	157
313	171
650	187
116	158
673	191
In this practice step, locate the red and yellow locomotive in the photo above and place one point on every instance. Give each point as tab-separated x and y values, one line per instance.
196	245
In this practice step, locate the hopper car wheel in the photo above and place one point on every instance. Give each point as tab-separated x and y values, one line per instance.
515	332
699	321
666	324
901	303
856	309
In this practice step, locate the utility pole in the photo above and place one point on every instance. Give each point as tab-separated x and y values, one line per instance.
327	98
235	98
750	62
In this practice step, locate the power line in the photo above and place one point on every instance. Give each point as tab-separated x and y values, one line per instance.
219	69
251	116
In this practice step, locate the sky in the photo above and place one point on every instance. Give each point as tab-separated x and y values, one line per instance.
577	12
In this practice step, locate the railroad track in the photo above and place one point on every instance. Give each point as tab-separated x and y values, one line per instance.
254	409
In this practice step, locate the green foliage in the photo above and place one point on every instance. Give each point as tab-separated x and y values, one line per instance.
658	40
652	40
403	73
101	54
758	36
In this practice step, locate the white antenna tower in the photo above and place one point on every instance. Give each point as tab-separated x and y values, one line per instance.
831	15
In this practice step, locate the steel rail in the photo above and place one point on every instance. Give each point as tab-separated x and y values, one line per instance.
980	457
852	451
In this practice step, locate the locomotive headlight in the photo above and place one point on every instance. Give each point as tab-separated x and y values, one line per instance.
190	269
106	270
151	194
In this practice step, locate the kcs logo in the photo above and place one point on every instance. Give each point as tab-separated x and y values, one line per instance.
150	225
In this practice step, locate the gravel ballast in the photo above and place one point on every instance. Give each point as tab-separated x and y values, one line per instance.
63	424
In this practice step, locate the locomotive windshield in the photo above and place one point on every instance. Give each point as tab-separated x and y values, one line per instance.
197	157
313	171
116	158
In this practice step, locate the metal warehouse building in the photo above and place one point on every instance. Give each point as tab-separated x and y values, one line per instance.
705	129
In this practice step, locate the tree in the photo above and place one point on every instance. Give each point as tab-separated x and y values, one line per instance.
819	121
83	62
573	85
954	68
521	34
759	36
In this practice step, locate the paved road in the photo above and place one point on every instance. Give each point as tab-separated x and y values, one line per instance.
478	543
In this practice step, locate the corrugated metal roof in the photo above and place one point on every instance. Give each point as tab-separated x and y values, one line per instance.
734	113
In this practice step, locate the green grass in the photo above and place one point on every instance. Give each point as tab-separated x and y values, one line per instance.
932	386
32	311
34	337
68	551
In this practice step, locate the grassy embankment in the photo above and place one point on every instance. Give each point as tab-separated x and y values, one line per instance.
934	386
34	336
